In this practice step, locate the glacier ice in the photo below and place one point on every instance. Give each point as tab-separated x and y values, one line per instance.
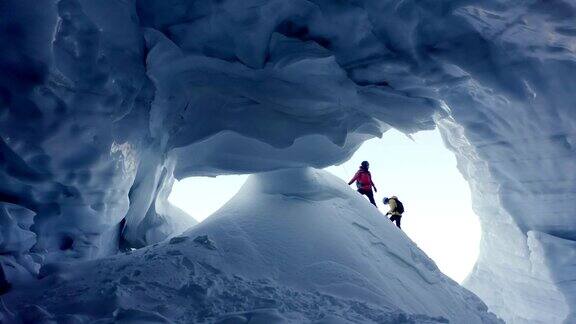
104	103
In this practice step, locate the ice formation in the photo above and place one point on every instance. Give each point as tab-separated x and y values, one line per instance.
103	103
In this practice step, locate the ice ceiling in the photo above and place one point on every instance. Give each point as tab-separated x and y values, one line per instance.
103	103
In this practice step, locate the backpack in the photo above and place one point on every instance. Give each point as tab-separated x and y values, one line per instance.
363	180
399	206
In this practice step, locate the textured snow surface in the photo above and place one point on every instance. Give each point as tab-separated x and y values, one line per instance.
292	246
103	103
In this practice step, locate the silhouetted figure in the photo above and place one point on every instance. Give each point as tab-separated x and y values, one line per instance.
396	209
364	182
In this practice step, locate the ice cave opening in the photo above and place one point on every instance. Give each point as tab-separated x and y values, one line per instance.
103	104
419	170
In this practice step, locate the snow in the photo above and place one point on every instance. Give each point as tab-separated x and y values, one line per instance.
296	245
104	103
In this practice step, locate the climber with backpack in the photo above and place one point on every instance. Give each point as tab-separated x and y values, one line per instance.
396	209
364	182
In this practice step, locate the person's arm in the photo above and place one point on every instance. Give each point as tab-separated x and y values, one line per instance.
372	185
393	205
353	179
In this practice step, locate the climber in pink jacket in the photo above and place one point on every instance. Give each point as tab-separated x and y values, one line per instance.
364	182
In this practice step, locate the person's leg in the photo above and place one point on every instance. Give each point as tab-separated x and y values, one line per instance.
370	195
395	219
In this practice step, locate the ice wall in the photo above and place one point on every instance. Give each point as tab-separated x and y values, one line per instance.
75	148
102	103
512	129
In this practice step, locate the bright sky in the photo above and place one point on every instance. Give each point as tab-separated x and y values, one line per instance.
422	173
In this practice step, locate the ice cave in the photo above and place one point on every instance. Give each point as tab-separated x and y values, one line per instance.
103	104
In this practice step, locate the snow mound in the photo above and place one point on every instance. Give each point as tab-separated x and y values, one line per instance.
295	245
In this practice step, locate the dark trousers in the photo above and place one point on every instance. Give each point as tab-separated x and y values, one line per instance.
368	193
396	218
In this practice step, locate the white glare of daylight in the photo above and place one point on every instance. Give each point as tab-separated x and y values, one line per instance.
200	197
422	173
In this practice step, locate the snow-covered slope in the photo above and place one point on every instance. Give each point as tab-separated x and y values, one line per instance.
295	245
